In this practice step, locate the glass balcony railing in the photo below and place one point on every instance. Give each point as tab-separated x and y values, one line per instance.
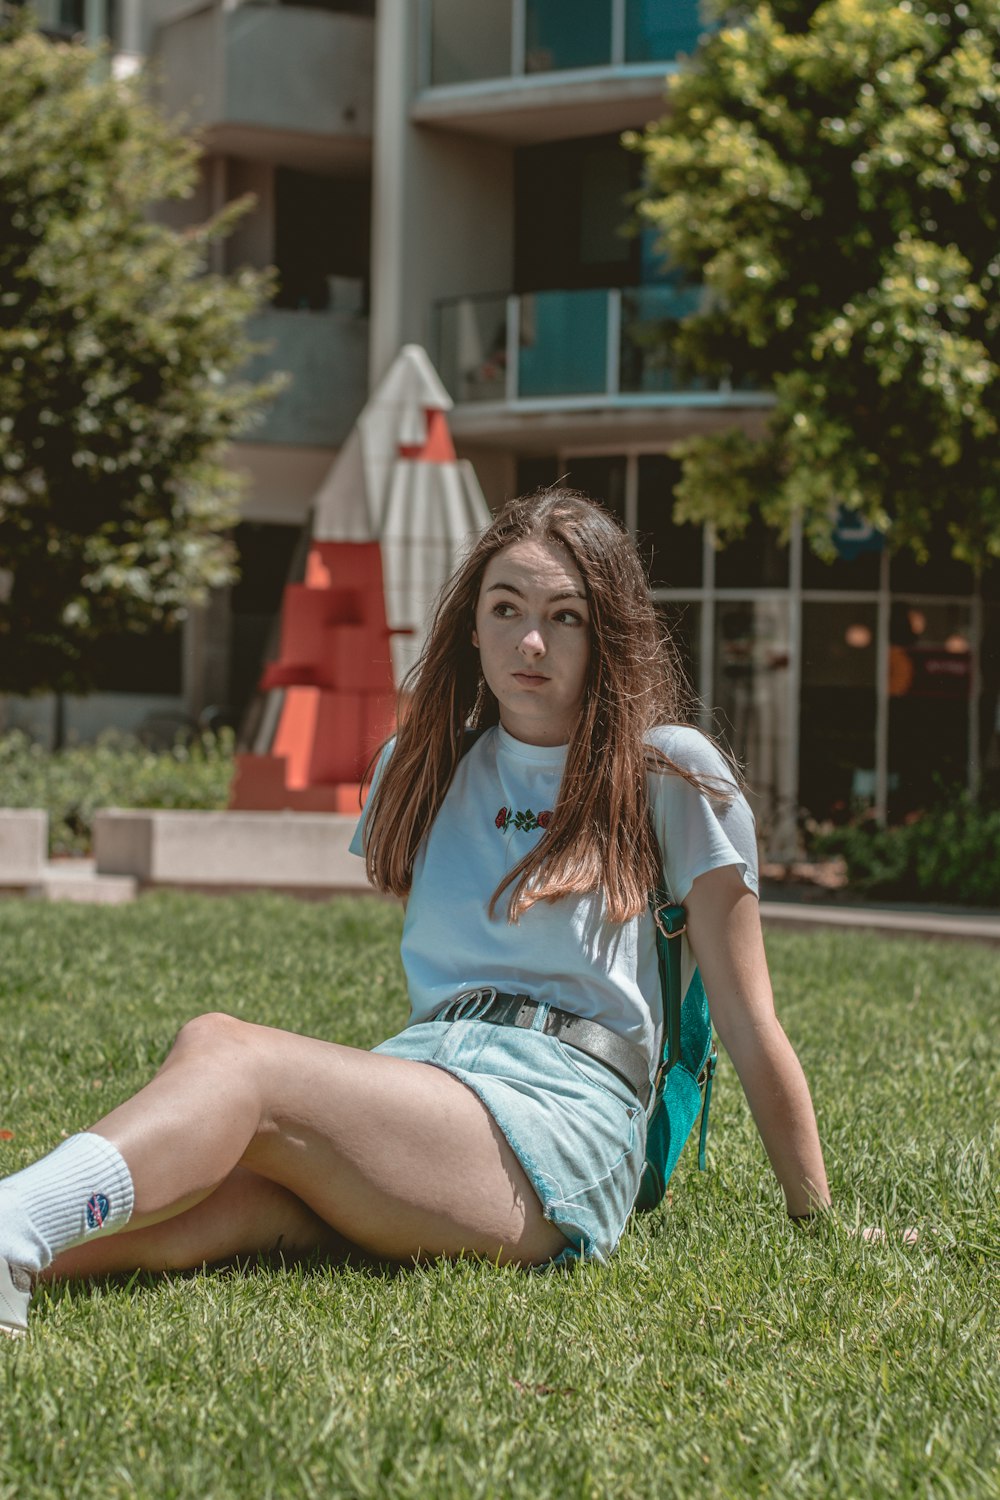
648	362
93	19
559	36
562	344
509	38
325	358
605	342
661	29
470	335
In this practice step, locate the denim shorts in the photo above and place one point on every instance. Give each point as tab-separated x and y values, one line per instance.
578	1131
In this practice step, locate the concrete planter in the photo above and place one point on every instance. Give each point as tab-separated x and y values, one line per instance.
298	852
24	837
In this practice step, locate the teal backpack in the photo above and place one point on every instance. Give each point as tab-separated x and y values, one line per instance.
687	1067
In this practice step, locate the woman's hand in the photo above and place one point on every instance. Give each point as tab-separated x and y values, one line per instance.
873	1235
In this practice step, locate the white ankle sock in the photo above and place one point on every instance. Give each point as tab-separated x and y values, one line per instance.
81	1189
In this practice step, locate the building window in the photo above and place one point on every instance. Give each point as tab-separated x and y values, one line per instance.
756	560
930	679
134	662
752	704
570	203
602	477
838	708
673	554
321	237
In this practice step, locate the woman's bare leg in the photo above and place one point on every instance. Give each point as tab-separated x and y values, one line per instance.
246	1216
398	1157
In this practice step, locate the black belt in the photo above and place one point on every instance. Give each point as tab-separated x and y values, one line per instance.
623	1057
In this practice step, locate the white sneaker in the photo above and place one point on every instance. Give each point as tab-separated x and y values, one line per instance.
15	1295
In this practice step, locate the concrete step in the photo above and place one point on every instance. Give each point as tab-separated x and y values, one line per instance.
78	880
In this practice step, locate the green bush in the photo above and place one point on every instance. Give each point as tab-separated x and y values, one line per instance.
116	771
949	853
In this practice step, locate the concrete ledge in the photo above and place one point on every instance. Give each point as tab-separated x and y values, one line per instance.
914	923
77	880
294	851
24	838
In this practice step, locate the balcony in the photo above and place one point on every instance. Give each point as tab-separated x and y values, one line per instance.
287	83
531	70
560	350
326	356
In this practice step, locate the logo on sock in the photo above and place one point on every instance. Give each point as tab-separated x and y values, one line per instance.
98	1209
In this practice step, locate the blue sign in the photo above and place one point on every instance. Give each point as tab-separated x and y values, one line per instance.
853	535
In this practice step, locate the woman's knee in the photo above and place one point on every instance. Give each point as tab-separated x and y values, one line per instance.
210	1032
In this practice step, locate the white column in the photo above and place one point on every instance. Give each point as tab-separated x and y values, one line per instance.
130	38
95	22
394	47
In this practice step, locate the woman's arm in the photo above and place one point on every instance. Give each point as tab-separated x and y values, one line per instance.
723	924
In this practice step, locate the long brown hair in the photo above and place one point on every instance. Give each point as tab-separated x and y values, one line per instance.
600	835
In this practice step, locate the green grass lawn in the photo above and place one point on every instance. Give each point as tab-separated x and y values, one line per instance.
721	1353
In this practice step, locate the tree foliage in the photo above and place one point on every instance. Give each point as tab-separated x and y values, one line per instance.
117	361
830	172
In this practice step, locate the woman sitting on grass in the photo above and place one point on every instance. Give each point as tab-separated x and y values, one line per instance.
526	853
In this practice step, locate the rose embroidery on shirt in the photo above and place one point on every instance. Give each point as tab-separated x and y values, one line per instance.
525	822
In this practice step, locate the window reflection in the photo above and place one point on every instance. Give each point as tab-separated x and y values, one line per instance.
757	559
930	677
672	553
940	574
751	695
683	622
603	478
838	703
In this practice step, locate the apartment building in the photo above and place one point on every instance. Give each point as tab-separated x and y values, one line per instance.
453	174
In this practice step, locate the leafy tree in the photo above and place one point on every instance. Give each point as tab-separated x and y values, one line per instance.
830	172
117	358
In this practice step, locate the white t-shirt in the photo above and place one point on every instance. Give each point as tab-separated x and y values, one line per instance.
563	952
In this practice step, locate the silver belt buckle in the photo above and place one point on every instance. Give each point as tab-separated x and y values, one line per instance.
471	1004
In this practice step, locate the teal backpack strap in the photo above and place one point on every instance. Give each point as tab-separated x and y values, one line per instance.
671	923
683	1094
709	1074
